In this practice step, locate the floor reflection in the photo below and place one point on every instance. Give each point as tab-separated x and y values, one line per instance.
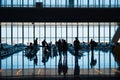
65	62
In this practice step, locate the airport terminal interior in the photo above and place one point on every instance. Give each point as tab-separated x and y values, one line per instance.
37	39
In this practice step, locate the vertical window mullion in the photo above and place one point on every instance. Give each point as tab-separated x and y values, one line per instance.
50	3
6	33
117	4
34	3
17	43
104	32
39	43
22	3
44	30
99	3
28	4
109	63
82	32
12	44
28	32
55	41
66	3
55	4
17	5
33	43
77	30
28	44
88	3
109	32
99	32
93	32
22	51
88	32
109	3
61	29
77	3
99	60
50	32
88	51
66	32
5	3
33	31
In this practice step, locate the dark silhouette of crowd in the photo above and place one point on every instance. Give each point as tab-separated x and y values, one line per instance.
59	49
62	49
31	51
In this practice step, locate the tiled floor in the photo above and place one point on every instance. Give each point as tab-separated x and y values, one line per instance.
53	71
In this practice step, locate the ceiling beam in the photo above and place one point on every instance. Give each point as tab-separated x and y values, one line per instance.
59	14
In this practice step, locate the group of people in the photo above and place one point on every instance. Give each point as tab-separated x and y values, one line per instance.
62	49
31	51
48	50
61	46
45	51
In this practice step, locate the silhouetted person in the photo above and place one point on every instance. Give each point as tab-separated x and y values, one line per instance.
35	60
92	44
77	68
76	45
44	43
35	42
64	47
49	49
29	50
60	67
93	61
59	45
65	66
55	51
44	52
116	53
31	46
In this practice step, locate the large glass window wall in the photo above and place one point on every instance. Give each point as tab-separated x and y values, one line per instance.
25	33
100	32
62	3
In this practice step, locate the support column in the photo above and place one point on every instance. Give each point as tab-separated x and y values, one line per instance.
23	51
77	30
33	41
11	3
71	3
55	42
116	35
88	33
11	44
99	32
109	32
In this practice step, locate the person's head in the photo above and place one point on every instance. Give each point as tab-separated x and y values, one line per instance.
30	43
76	38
